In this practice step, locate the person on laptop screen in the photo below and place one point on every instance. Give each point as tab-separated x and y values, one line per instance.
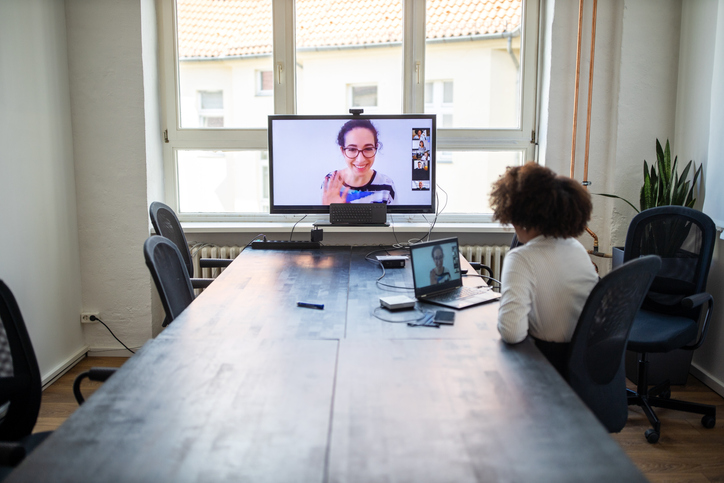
546	281
439	273
358	182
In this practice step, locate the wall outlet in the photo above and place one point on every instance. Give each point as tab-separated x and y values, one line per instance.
85	318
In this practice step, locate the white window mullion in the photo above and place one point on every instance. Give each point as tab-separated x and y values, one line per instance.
413	57
284	26
528	94
169	92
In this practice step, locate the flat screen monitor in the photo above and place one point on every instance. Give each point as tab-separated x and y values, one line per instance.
318	160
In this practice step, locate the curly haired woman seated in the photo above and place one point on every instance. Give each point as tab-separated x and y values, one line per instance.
546	281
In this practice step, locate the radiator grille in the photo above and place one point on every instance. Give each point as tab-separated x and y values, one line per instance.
490	255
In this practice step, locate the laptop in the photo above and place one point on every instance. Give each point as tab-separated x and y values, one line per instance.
437	278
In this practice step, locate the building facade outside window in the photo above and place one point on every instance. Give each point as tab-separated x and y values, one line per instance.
236	63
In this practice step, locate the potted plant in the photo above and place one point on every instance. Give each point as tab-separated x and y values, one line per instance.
663	186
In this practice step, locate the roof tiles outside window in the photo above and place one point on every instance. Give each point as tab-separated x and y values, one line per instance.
237	28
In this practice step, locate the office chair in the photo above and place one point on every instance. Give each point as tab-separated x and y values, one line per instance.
595	368
169	274
670	315
166	224
20	386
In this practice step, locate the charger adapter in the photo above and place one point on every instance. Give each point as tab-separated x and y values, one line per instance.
397	302
392	261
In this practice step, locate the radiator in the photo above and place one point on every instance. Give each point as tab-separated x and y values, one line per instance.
205	250
490	255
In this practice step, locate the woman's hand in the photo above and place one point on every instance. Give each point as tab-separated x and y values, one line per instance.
331	189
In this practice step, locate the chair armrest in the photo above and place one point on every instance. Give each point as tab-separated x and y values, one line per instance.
201	282
480	266
214	262
11	453
100	374
695	301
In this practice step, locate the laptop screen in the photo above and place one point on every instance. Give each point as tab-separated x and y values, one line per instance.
435	266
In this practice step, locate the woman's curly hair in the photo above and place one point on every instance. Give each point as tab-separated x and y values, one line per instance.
534	197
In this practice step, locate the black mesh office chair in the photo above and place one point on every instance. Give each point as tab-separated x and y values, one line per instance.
672	310
595	368
20	386
169	274
172	281
166	224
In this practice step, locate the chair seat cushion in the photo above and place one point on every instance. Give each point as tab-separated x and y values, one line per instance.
655	332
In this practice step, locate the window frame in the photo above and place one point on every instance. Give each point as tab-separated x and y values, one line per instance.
520	139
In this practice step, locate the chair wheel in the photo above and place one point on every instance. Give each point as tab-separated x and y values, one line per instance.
708	421
666	394
652	436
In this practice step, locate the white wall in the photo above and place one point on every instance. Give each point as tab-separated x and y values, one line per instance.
39	250
109	126
699	129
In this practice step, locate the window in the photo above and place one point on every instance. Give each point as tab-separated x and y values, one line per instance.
211	109
346	43
264	83
228	65
363	96
439	100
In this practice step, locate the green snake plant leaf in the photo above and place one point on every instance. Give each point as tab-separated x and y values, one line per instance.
646	195
690	200
618	197
681	186
655	190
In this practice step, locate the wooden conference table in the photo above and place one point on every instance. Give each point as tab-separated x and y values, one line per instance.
246	386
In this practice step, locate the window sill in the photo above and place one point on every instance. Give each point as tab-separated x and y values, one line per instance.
285	227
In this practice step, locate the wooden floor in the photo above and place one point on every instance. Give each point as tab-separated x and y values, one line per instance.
686	451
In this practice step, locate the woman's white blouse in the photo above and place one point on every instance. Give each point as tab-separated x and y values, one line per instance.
545	284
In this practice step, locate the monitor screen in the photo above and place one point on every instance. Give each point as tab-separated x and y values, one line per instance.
318	160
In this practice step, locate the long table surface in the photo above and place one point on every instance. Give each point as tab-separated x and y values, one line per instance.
246	386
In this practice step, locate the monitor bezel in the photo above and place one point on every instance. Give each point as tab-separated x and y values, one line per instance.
320	208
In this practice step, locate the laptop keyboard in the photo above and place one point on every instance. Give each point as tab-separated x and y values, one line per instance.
458	293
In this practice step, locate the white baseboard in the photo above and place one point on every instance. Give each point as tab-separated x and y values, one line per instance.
48	379
101	352
712	382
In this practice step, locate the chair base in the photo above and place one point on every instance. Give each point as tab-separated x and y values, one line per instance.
660	397
672	366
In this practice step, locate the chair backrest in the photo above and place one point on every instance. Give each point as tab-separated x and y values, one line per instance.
595	367
19	373
684	239
166	224
169	274
515	243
